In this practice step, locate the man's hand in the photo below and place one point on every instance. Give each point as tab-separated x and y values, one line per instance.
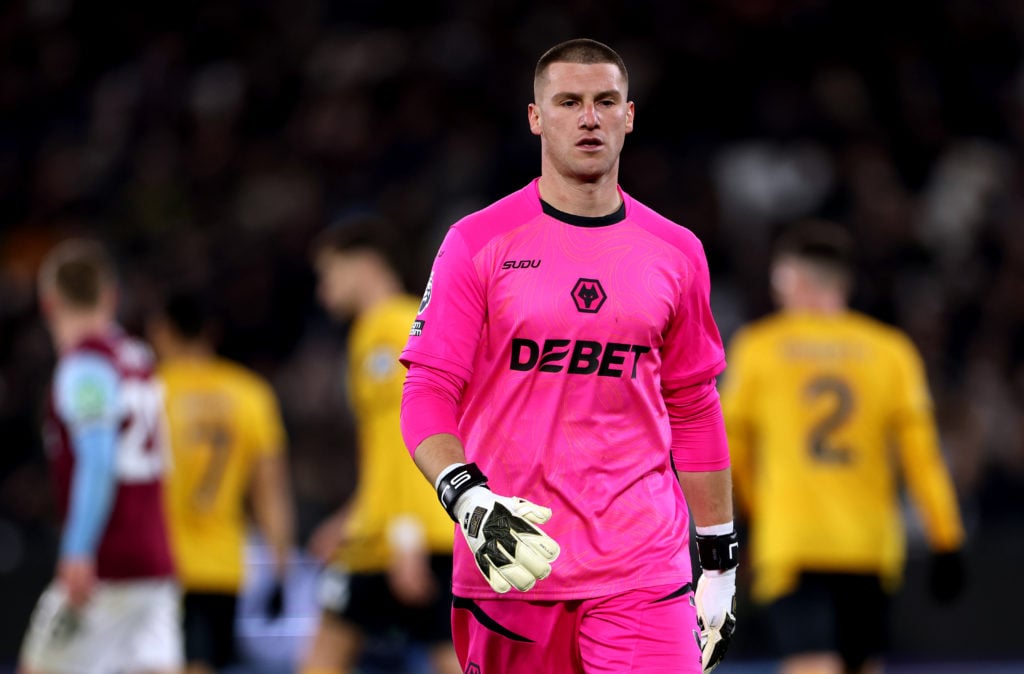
410	578
78	576
718	550
716	599
510	550
409	574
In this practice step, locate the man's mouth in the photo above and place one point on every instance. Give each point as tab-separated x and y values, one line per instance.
589	143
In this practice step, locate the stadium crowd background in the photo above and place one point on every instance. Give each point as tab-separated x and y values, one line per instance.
209	141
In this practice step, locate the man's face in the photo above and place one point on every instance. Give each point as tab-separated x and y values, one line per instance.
582	116
338	279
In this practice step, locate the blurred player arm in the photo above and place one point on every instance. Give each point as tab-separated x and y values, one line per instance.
86	399
272	508
737	391
271	492
924	469
928	480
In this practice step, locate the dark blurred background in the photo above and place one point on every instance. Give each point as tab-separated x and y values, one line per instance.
207	142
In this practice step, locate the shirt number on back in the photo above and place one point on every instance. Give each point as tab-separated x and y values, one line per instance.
820	439
140	451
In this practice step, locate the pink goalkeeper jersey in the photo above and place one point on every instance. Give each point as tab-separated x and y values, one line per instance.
566	329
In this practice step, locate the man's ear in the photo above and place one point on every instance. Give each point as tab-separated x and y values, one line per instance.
533	112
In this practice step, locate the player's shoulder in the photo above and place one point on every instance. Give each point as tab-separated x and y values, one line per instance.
388	321
241	376
400	308
128	355
671	232
507	213
228	377
886	336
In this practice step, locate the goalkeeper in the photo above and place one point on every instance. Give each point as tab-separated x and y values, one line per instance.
560	391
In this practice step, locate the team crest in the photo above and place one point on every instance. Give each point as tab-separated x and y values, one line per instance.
426	293
589	295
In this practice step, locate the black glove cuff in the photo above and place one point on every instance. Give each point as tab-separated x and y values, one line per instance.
456	483
718	553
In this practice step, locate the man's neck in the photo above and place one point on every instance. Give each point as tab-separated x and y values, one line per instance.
73	329
380	290
581	198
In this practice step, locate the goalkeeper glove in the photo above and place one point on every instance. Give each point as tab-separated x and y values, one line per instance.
509	550
716	596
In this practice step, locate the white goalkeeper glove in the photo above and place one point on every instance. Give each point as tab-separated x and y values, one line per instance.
509	549
716	596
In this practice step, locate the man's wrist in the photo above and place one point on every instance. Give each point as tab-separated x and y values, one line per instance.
454	482
718	547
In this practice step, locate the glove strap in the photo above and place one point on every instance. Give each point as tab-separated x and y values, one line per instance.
457	482
718	553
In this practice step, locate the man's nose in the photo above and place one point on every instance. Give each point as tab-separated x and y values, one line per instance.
588	117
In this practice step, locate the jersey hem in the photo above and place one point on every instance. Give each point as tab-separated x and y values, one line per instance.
430	360
607	589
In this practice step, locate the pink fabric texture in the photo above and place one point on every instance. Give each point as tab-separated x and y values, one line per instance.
567	336
698	430
636	631
429	405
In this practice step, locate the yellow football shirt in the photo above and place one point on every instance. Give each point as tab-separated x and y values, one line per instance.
222	418
389	484
828	417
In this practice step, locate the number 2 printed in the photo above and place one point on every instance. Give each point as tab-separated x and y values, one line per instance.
820	437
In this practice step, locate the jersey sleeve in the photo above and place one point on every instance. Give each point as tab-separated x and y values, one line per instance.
447	328
924	469
86	398
266	426
693	351
85	391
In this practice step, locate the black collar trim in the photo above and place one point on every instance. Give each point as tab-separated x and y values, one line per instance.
583	220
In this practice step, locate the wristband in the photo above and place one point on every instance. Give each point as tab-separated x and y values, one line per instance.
718	553
456	482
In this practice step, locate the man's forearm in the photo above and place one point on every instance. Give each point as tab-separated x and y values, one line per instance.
436	453
709	495
272	507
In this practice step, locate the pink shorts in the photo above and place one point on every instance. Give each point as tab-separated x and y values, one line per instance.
648	630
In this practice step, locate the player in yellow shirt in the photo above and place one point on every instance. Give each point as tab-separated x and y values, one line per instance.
828	413
390	548
228	447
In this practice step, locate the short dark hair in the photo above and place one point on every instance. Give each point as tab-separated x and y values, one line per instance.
822	242
78	270
187	311
579	50
364	231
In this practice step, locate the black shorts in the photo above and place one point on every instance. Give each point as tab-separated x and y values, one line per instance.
365	600
839	613
209	628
